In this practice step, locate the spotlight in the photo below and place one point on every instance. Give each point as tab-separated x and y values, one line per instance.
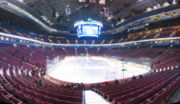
68	10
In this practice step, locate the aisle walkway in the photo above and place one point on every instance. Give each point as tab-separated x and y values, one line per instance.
175	97
93	98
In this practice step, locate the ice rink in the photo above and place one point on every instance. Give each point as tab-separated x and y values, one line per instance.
91	69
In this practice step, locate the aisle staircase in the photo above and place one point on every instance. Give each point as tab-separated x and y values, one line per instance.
93	98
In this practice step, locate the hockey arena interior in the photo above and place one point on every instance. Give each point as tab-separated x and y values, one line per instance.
90	51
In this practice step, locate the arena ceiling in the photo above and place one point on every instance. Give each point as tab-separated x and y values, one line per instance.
118	10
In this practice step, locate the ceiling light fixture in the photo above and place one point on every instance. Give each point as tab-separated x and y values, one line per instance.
92	1
82	0
102	2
